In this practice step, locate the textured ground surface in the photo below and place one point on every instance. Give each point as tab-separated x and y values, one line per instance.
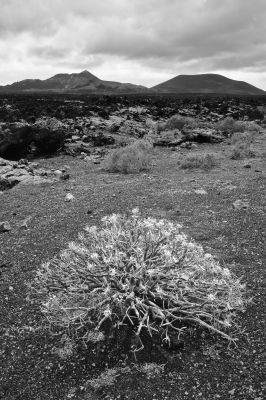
203	369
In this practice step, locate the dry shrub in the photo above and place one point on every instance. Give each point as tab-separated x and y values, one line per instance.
242	137
241	151
230	125
138	272
205	162
130	159
177	122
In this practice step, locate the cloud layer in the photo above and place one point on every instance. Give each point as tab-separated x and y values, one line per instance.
140	41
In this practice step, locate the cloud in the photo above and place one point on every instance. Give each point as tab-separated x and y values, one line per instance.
156	37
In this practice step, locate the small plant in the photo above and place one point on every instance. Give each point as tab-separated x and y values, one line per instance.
140	273
205	162
241	151
130	159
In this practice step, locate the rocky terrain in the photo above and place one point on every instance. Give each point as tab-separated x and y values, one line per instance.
52	184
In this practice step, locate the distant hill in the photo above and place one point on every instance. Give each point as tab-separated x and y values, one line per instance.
76	82
206	83
85	82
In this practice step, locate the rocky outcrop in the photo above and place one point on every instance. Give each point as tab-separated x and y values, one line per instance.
12	173
18	140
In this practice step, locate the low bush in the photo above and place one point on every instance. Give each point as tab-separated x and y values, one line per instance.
141	273
130	159
241	151
242	137
177	122
205	162
230	125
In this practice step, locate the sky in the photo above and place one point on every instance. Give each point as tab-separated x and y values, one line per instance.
143	42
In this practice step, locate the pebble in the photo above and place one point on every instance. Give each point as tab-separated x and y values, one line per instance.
240	204
5	226
69	197
200	191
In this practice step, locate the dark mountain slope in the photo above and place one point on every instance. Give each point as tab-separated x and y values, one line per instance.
76	82
206	83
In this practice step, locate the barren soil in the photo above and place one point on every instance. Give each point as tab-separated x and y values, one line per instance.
206	368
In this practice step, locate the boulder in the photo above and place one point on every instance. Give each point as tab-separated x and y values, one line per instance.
4	226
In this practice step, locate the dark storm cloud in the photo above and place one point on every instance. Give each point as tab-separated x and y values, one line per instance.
174	35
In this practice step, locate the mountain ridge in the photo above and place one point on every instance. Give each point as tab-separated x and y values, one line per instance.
86	82
206	84
74	82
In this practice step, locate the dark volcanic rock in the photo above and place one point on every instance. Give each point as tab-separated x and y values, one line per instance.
19	140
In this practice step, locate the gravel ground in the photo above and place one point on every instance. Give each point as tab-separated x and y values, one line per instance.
205	368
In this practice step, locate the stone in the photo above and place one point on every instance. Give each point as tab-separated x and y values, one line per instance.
69	197
5	226
58	173
24	223
201	191
240	204
65	176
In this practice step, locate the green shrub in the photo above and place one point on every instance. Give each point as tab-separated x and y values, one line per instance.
129	159
205	162
137	272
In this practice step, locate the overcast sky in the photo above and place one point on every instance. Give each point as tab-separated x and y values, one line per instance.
139	41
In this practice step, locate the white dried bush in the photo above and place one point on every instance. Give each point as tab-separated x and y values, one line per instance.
140	272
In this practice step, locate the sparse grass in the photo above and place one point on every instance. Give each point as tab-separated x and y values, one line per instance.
141	273
133	158
206	162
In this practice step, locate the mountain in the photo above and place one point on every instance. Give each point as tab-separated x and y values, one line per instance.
206	83
85	82
74	83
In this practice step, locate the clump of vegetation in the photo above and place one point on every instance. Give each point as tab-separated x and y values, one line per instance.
241	151
205	162
242	137
133	158
179	122
140	273
230	125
